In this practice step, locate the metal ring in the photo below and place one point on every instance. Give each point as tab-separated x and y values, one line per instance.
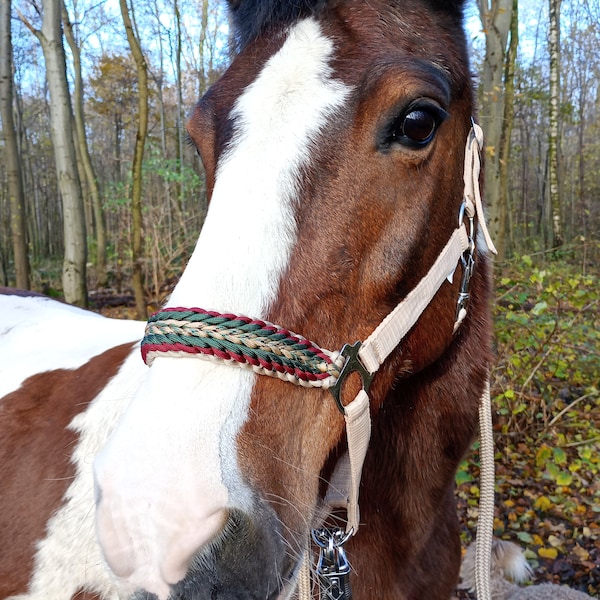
324	537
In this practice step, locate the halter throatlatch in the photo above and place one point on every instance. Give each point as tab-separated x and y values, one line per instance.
268	349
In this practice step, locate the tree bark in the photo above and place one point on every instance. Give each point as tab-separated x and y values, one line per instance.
202	70
553	137
88	167
138	157
179	122
14	175
496	17
61	129
506	137
163	117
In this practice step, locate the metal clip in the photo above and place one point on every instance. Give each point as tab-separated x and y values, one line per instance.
352	365
461	219
468	265
333	568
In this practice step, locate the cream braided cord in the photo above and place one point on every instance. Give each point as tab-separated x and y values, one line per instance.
485	520
304	589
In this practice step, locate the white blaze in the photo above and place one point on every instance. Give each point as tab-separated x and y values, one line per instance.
170	470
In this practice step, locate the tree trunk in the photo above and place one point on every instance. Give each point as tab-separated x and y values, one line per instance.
138	156
179	124
11	152
202	70
88	167
61	118
163	118
496	17
553	141
506	137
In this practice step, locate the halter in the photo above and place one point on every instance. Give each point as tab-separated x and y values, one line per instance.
268	349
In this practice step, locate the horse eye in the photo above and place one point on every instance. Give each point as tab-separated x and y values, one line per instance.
419	126
415	127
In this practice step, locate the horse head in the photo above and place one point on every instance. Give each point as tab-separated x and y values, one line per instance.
334	153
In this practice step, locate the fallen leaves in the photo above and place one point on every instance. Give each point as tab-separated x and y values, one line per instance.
557	524
547	423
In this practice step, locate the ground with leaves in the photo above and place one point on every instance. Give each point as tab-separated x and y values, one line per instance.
547	422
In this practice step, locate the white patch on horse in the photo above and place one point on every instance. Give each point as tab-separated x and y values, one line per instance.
68	558
39	334
171	471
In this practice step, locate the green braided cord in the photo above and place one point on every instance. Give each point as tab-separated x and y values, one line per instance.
262	346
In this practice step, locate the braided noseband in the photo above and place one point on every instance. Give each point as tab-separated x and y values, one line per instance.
253	344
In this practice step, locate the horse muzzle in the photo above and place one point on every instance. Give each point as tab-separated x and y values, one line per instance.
248	559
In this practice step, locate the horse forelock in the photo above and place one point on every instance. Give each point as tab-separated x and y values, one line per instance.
252	18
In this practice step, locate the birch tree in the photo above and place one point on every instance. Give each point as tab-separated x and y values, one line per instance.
86	160
137	248
11	151
61	128
496	18
554	203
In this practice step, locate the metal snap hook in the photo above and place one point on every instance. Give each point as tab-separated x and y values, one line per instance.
333	568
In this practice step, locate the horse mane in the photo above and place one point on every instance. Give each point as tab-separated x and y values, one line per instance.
253	17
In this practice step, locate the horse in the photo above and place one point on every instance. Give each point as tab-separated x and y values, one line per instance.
334	151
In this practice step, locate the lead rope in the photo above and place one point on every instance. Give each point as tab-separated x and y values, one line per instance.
304	579
485	519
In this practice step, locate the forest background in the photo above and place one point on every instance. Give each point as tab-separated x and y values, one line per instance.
102	199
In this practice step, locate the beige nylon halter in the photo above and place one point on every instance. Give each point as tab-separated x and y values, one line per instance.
344	486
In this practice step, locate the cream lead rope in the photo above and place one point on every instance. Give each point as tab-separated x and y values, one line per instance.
485	519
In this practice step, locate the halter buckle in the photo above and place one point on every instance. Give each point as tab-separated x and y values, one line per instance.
353	364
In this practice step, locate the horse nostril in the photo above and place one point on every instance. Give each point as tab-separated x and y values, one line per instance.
186	542
233	564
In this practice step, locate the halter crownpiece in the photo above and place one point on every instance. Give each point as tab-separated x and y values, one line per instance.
268	349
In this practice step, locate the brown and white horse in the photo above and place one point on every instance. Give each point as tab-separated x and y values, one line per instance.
334	151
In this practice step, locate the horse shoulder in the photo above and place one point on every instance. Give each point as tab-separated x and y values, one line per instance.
52	423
